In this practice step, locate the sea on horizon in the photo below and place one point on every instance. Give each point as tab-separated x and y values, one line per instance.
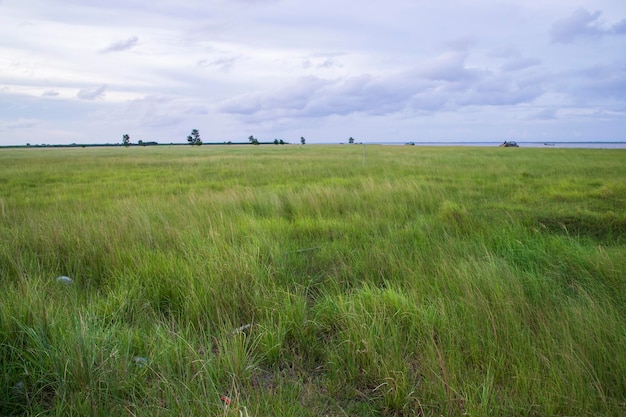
555	144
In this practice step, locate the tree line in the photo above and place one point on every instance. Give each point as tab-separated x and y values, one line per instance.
194	139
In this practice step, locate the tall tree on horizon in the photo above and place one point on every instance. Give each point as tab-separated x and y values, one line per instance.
194	138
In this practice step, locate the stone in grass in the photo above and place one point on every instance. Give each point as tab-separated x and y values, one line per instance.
18	391
65	280
140	361
242	329
18	388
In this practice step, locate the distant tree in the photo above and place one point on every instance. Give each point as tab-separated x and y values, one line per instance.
282	142
126	140
194	138
351	140
302	140
140	142
253	140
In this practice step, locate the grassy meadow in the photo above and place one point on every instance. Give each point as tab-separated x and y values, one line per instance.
313	281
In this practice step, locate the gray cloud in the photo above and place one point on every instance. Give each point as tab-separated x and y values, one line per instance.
329	63
291	99
499	91
121	45
92	93
50	93
580	23
545	114
463	44
619	28
601	82
442	84
448	67
519	63
514	59
324	63
222	64
583	24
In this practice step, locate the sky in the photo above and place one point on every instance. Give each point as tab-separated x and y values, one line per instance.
90	71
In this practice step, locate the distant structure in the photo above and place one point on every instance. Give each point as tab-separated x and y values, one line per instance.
509	144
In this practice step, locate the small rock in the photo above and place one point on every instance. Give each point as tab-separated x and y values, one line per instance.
242	329
140	361
65	280
18	391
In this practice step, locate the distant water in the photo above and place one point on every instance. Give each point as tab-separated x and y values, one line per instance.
597	145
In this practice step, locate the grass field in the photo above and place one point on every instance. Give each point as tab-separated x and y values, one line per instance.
313	281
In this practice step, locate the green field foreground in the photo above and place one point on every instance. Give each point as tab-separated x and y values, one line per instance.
313	281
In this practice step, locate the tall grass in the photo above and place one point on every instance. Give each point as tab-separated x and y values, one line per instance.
297	280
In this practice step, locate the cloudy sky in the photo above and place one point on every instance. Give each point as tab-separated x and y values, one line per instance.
89	71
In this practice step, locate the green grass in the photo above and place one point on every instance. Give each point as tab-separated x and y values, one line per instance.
421	282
